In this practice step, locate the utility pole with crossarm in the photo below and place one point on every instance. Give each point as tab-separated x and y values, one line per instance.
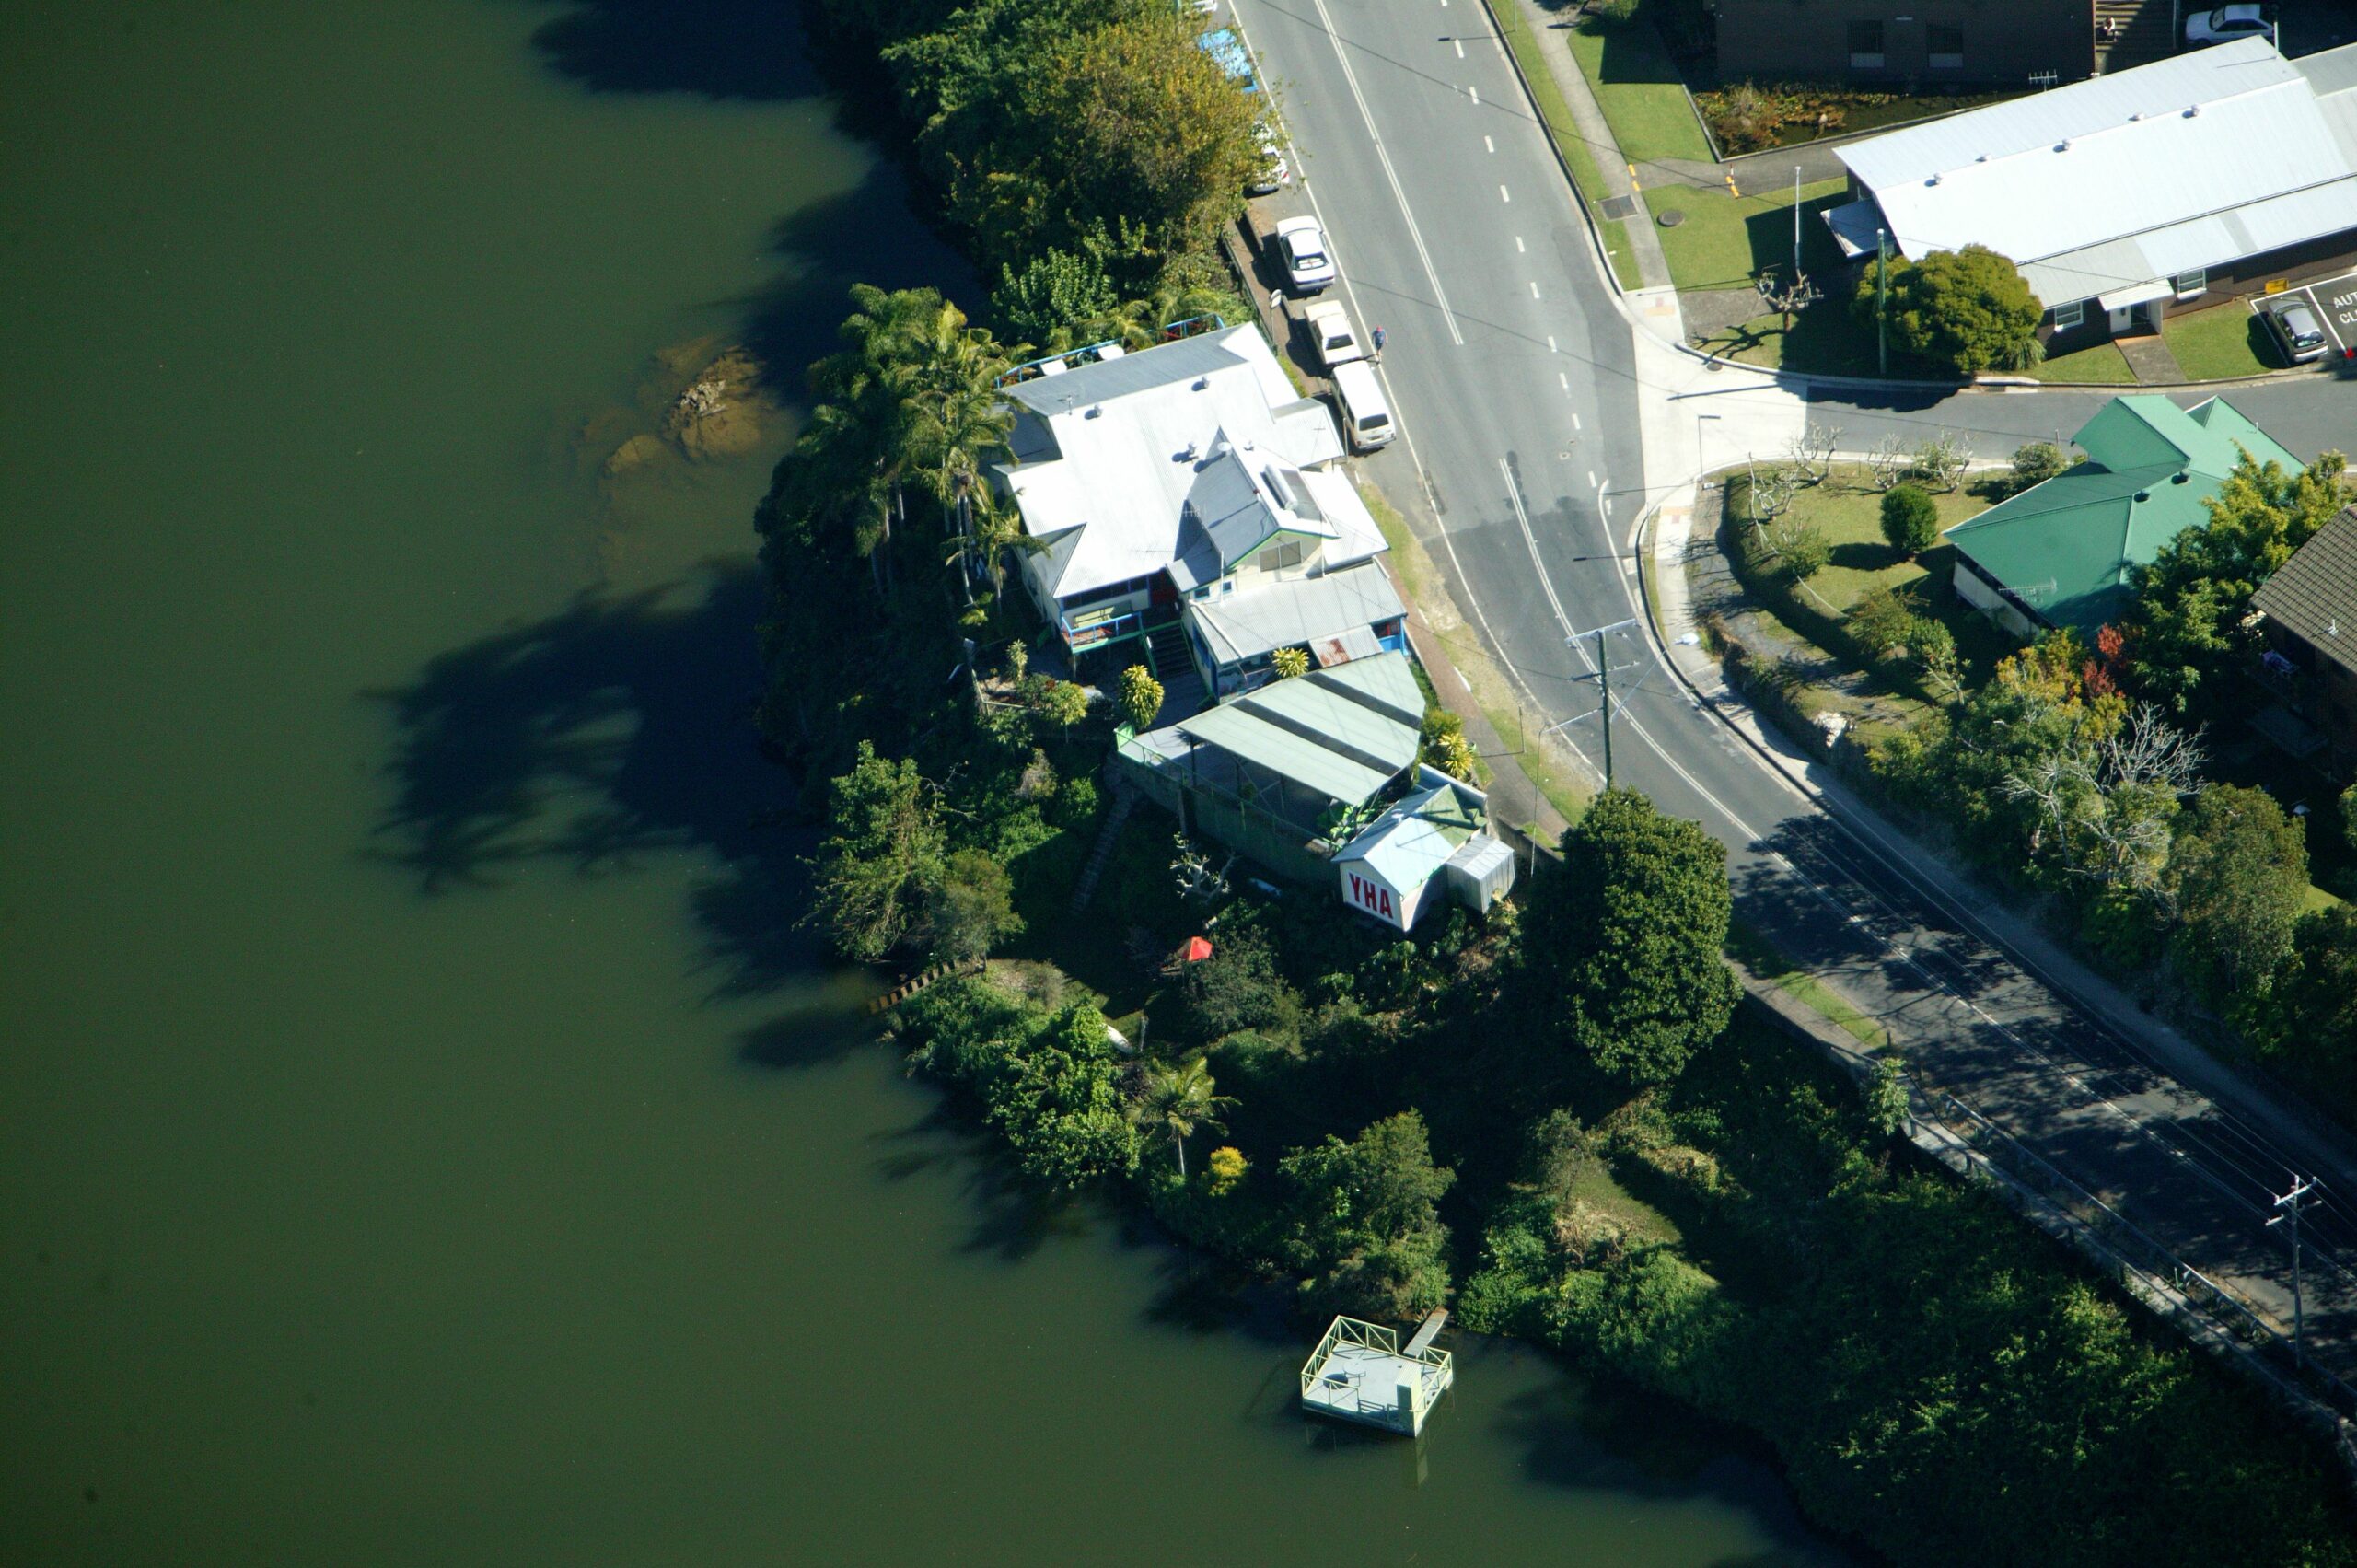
2301	1188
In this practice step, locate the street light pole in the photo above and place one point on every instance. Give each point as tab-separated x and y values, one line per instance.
1882	293
1797	226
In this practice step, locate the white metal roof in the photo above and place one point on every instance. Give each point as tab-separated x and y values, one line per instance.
1296	612
2198	160
1110	450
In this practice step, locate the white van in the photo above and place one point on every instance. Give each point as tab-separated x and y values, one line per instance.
1366	418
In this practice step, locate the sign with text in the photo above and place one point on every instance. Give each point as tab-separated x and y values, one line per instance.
1365	892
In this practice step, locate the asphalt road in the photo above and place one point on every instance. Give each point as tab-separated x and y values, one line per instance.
1514	376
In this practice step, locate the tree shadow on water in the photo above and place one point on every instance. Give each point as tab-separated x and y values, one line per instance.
616	729
752	50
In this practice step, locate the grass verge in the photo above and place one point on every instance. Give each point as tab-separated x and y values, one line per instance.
2103	365
2221	341
1724	240
1638	88
1542	759
1747	946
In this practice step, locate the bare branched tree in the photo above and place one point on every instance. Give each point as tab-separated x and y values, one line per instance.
2148	752
1790	295
1886	463
1199	882
1811	451
1940	461
1770	493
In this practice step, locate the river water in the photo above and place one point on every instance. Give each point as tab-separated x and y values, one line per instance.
423	1136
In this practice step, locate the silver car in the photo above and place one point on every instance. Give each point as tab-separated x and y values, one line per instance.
2297	332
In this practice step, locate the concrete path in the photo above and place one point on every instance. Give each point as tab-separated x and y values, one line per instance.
1588	122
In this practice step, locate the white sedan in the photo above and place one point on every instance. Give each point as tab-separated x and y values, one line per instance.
1301	245
2227	23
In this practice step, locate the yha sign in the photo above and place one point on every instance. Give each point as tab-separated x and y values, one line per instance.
1367	893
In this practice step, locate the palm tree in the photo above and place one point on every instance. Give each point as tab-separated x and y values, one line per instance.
1176	1100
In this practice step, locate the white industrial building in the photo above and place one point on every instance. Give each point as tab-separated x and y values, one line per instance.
2217	171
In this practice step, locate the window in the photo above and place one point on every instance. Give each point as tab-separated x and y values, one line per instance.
2069	316
1279	556
2187	285
1946	46
1865	46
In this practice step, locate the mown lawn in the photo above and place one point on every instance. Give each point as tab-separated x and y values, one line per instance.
1849	512
1724	241
1827	339
1638	88
2104	365
2221	341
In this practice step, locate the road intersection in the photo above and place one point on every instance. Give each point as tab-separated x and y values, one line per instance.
1545	420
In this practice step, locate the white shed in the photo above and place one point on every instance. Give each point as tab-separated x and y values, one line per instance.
1391	870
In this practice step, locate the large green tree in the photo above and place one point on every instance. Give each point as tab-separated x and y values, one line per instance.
1362	1222
2237	873
1965	310
1175	1100
2186	624
1058	1099
881	859
1623	942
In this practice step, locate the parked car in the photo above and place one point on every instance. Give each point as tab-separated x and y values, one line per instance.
1276	168
1330	329
1300	246
2227	23
2297	332
1366	416
1227	51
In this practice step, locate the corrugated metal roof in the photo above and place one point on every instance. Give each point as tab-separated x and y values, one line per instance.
1304	759
2065	547
1294	613
2197	140
2329	70
1120	439
1409	844
1387	683
2315	592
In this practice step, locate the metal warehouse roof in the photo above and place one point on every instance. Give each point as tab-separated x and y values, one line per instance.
2189	162
1295	613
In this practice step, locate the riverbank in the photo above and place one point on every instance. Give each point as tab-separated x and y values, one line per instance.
1563	1124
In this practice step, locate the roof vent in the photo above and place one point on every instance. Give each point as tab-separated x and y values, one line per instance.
2192	111
1933	181
2135	117
1203	383
2063	145
1189	454
1093	410
2143	496
2180	476
1982	159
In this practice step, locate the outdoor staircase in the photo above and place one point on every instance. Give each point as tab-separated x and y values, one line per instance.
1166	655
2144	36
1125	798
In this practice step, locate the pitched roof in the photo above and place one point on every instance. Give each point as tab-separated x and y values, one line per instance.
1300	612
1109	453
2065	547
1409	844
2192	161
1345	732
2315	592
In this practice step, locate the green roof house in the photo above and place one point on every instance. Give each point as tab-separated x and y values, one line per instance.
2059	553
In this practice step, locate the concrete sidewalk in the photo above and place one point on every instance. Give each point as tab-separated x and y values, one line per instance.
1589	124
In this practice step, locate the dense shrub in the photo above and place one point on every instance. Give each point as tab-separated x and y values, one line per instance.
1911	521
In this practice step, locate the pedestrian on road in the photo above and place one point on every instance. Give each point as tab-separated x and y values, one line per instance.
1276	302
1378	340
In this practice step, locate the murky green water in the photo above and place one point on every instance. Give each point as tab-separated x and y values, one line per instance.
423	1138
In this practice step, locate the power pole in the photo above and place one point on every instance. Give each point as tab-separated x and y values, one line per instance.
1604	676
1882	293
2301	1188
